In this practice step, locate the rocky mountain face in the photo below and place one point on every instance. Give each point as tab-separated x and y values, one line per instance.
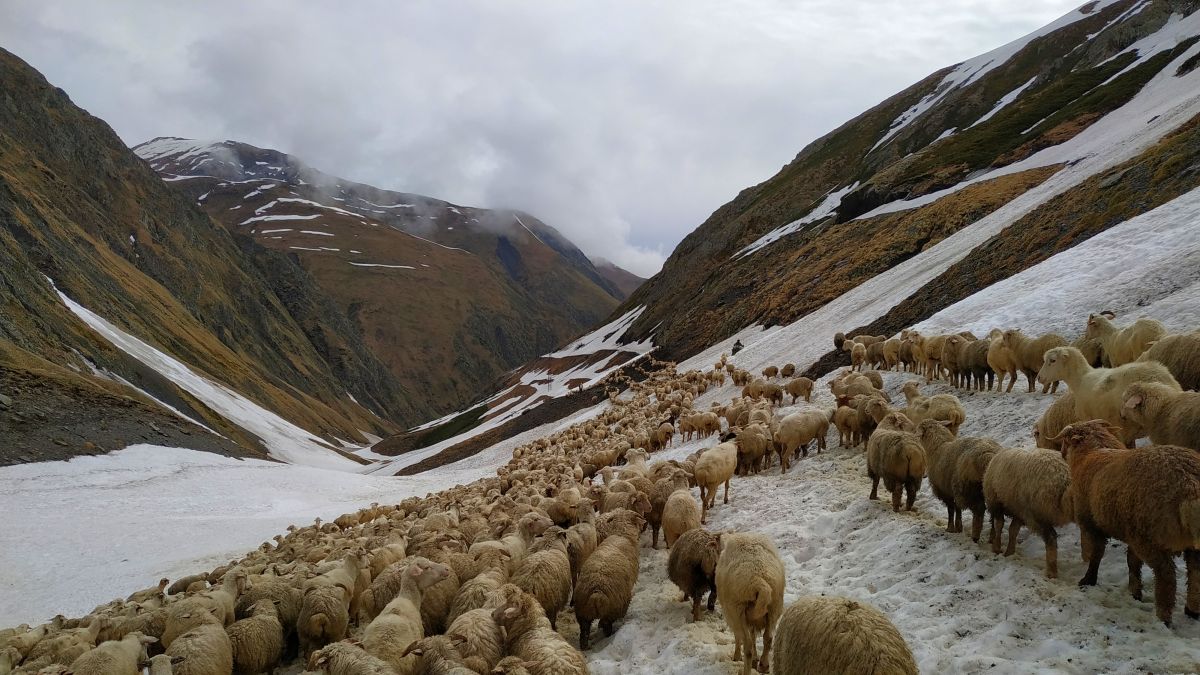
624	281
447	297
1042	142
80	214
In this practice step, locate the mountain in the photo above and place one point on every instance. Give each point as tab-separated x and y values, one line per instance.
1016	154
624	281
97	248
447	297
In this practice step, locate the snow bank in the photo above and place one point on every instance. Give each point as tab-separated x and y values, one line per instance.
283	440
827	206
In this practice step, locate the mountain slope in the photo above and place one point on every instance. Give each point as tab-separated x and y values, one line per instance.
623	280
1039	117
447	297
80	211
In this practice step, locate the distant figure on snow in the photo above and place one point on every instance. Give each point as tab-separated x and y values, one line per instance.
737	347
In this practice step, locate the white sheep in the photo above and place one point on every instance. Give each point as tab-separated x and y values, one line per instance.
714	467
1123	345
797	430
400	624
257	641
546	574
530	638
484	643
115	657
1097	391
896	457
344	658
819	635
1034	488
1181	355
203	650
681	514
750	581
606	581
1028	353
1167	416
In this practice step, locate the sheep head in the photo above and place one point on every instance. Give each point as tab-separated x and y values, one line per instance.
1081	438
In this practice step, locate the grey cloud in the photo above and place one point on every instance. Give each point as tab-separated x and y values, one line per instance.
624	124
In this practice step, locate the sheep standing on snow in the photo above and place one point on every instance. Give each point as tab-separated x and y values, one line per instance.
753	442
257	640
799	429
1123	345
1034	488
605	586
801	386
1001	359
692	565
115	657
896	457
546	574
400	624
1029	353
788	370
750	581
681	515
714	467
944	456
324	617
818	635
484	645
858	356
770	372
203	650
1167	416
1149	498
1097	391
1053	420
1181	355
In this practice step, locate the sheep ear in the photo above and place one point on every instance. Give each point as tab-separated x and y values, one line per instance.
414	649
511	612
456	638
176	660
1133	401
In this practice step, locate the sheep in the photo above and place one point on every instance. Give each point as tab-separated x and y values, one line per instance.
788	370
951	354
828	634
181	584
546	575
484	644
1001	360
1167	416
582	539
945	455
753	443
62	648
400	623
530	638
1098	391
692	565
1181	355
161	664
750	581
714	467
186	614
257	641
944	407
1149	498
797	430
148	593
1034	488
324	617
973	364
203	650
663	489
891	353
225	596
1123	345
681	515
770	372
858	357
1053	420
799	387
1028	354
896	457
439	655
605	585
344	658
115	657
875	355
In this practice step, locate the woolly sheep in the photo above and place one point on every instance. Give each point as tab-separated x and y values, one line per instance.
797	430
858	357
800	387
1053	420
484	645
161	664
438	655
1124	345
1181	355
681	515
753	443
115	657
1001	360
400	623
181	584
257	640
944	407
546	575
945	455
714	467
750	580
1149	498
605	585
530	638
344	658
1167	416
897	458
203	650
1029	353
324	617
692	565
770	372
973	365
818	635
1033	487
185	615
1097	391
788	370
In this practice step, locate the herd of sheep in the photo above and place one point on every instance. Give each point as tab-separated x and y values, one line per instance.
474	579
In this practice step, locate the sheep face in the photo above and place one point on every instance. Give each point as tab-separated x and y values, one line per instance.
1054	365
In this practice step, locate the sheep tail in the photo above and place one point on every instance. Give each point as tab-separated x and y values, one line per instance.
762	600
317	624
1189	516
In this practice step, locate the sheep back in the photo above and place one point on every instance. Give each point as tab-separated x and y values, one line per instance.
819	635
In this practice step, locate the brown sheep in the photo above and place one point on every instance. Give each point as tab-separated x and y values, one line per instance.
692	565
1149	498
1028	353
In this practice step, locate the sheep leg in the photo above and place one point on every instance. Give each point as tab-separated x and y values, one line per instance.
1029	374
997	530
1163	565
911	488
607	627
553	616
585	632
976	523
712	597
949	518
737	645
1135	573
1013	529
1191	559
874	486
696	607
897	489
654	536
1097	543
1050	537
764	662
957	519
750	645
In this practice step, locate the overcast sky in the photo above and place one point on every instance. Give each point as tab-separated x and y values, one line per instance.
622	123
